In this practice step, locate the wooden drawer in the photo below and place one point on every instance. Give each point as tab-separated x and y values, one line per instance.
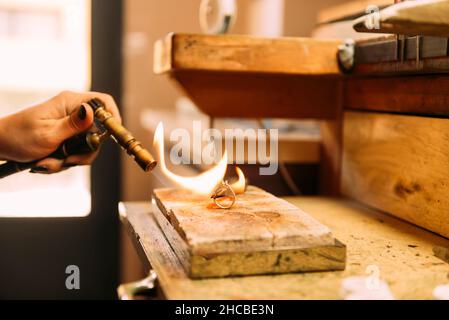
399	164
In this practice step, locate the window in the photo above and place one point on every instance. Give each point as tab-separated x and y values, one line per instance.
44	48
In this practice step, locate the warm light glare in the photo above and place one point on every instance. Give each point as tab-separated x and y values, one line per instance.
204	183
44	45
51	202
44	48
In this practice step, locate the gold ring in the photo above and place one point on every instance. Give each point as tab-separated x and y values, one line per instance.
224	191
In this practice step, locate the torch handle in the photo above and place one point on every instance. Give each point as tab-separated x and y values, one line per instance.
81	144
11	167
122	136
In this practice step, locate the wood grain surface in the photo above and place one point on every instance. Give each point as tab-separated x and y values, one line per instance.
248	77
399	164
418	95
256	95
258	221
239	263
424	17
401	252
243	53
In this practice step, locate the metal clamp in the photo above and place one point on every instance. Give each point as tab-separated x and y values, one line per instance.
145	287
418	51
346	55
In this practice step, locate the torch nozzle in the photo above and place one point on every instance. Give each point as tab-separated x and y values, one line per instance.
122	136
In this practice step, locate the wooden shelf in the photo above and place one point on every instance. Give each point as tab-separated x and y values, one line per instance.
241	53
243	76
402	252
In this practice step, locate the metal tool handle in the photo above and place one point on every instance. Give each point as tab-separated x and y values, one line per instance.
81	144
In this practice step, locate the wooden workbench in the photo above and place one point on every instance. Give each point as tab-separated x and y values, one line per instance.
402	252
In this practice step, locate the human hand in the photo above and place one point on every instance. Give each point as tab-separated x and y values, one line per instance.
36	132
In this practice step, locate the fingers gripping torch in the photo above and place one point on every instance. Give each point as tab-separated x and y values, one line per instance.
89	142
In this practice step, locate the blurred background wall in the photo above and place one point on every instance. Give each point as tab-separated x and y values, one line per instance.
145	21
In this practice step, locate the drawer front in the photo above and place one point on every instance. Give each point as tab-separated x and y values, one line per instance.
399	164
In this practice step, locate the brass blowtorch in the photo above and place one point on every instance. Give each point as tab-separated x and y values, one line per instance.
89	142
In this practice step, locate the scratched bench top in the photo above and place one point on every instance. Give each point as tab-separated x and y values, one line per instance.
401	252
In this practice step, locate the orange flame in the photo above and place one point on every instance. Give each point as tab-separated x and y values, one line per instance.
240	185
205	183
